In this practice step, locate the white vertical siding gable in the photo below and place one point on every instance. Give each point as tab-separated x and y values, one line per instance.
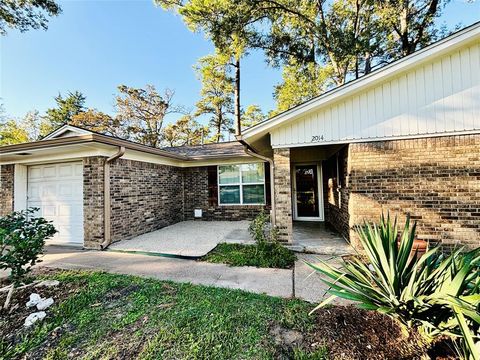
440	96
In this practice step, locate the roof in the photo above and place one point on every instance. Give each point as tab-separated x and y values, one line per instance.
89	138
72	135
456	40
212	150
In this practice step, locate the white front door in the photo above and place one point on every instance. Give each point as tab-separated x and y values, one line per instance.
57	190
307	193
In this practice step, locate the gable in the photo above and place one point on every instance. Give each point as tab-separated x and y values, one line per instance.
438	97
66	131
434	91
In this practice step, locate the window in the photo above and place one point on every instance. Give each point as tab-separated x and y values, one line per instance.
241	184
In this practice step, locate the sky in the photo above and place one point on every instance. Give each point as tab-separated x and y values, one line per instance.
94	46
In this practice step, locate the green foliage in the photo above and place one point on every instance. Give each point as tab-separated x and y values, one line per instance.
22	238
438	293
21	130
12	133
24	15
301	82
343	39
266	255
252	115
185	131
98	121
216	94
66	108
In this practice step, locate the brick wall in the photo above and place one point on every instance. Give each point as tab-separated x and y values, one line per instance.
144	197
283	194
6	189
197	197
93	201
436	180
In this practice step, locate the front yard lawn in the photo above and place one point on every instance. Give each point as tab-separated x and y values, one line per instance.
268	256
99	315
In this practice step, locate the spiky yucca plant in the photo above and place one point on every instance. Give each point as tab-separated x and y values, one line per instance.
437	293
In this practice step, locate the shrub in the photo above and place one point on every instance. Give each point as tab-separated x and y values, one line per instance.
438	293
22	238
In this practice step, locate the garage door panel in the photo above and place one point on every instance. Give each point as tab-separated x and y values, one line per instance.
78	170
57	190
49	172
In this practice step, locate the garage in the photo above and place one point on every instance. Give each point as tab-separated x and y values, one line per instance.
57	190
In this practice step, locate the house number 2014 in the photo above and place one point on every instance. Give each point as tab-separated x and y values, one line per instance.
317	138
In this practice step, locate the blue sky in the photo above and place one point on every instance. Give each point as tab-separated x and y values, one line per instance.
94	46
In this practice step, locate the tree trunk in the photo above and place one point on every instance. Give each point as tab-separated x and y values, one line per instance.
238	124
368	63
219	125
404	28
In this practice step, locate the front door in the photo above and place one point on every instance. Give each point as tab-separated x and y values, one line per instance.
308	200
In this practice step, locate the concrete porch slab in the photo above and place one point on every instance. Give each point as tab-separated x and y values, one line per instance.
187	238
318	238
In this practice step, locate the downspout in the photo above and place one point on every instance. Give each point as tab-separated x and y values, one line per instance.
107	236
249	151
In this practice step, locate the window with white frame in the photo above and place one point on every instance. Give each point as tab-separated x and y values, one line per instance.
242	184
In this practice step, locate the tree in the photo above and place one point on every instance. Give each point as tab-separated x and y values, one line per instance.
252	115
411	23
216	93
300	83
143	111
98	121
185	131
33	123
26	14
12	133
342	38
66	108
230	37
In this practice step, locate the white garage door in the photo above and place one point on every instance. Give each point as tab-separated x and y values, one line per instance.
57	189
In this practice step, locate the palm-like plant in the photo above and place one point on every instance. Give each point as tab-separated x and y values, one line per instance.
438	293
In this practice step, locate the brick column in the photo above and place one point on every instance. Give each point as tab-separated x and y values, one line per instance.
6	189
283	194
93	202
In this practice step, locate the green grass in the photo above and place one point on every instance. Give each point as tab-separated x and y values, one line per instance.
116	316
270	255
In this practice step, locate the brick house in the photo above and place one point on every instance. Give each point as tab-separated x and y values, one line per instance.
404	138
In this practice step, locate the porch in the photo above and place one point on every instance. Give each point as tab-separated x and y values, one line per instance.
318	238
193	239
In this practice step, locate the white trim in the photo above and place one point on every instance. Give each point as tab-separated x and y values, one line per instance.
376	139
20	187
467	35
241	184
321	204
64	129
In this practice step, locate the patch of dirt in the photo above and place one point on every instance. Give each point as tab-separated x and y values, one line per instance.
12	321
286	337
352	333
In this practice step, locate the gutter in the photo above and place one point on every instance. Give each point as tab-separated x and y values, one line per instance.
89	138
251	152
107	236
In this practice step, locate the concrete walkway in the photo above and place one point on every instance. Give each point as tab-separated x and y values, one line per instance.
299	282
187	238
